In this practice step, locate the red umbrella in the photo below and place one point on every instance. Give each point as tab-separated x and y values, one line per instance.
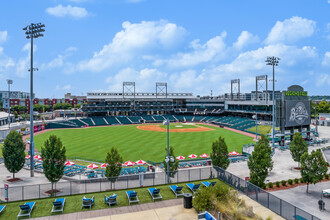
28	157
192	156
204	155
140	162
129	163
92	166
69	163
180	158
234	153
104	165
37	157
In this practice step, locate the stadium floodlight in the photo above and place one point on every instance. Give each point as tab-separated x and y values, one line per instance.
9	82
273	61
32	31
168	159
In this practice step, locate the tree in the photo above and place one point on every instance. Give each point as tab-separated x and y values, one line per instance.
77	106
173	165
298	147
313	167
15	114
260	162
22	108
62	106
46	108
14	108
219	153
38	107
53	156
114	161
13	152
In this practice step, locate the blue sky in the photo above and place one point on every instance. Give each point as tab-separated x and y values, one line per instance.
194	46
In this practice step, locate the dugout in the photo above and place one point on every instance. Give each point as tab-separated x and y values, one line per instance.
293	113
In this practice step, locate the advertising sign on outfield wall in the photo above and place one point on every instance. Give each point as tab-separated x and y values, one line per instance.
298	113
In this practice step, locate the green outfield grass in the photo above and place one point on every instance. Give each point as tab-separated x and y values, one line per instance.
262	129
133	144
179	126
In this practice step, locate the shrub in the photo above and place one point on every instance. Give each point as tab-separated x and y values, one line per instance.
277	184
290	181
270	185
302	180
203	200
283	182
326	176
296	180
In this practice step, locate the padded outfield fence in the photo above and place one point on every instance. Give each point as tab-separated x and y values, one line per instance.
277	205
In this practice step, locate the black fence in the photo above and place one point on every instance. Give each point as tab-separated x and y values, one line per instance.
277	205
72	187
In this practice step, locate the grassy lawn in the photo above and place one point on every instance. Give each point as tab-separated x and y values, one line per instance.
262	129
179	126
133	144
73	203
1	146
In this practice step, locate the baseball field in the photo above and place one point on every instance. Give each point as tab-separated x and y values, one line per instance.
136	142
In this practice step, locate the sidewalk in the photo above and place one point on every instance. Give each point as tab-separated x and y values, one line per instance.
163	210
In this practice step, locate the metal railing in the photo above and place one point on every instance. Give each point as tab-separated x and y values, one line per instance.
73	187
277	205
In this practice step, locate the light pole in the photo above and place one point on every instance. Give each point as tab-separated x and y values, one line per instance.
9	81
315	120
273	61
256	124
168	159
32	31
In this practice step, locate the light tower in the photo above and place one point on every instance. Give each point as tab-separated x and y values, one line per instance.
32	31
9	81
273	61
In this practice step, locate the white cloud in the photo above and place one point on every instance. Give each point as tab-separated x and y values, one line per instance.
144	78
3	36
213	49
244	39
323	79
59	61
5	61
71	11
134	41
291	30
66	87
326	59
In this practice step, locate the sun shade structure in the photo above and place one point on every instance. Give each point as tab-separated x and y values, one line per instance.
204	155
93	166
233	153
180	158
37	157
69	163
140	162
129	163
192	156
104	165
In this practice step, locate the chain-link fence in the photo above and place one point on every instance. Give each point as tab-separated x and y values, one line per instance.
277	205
37	191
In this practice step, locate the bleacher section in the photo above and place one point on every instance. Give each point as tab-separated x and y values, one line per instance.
111	120
99	121
123	120
148	118
159	118
235	122
135	119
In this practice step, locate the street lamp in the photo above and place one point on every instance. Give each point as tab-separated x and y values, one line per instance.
168	159
9	81
273	61
32	31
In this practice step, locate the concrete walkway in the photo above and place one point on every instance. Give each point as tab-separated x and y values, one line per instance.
163	210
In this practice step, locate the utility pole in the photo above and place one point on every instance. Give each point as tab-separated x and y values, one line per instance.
32	31
273	61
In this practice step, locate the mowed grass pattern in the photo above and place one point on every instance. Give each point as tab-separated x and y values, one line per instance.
133	144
